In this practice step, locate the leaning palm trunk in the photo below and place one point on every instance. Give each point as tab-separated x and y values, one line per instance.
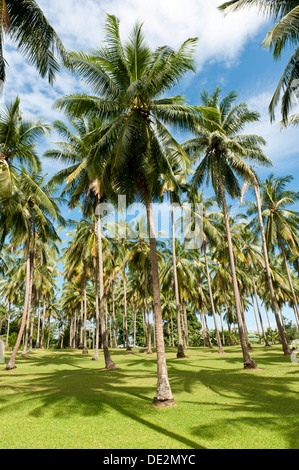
164	394
220	348
180	353
108	361
248	362
11	363
285	346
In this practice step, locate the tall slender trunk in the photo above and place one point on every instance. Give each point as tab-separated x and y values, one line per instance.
258	309
31	327
108	361
222	330
134	325
144	324
97	335
43	323
186	323
113	318
269	325
81	318
71	332
164	394
8	326
24	352
255	317
244	321
248	362
38	323
220	348
171	327
74	345
11	363
289	276
49	331
149	333
180	353
85	350
228	320
125	312
204	317
285	346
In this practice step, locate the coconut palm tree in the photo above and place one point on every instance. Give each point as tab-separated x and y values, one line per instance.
25	24
222	152
85	181
285	33
209	236
129	79
281	223
32	220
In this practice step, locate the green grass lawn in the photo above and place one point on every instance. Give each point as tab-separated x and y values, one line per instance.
63	400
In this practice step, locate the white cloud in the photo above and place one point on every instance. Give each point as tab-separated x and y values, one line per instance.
165	22
281	144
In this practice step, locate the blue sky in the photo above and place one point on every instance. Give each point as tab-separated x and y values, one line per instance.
228	54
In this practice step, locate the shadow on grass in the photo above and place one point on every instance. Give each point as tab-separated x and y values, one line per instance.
89	392
249	399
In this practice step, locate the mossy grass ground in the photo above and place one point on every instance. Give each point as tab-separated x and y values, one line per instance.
62	399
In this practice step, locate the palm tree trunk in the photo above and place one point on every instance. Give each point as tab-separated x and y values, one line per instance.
74	344
11	363
186	323
113	319
258	309
134	325
144	324
8	325
288	275
149	334
49	331
125	312
171	327
31	327
108	361
38	323
220	348
164	394
269	324
43	323
228	320
256	322
81	318
285	346
180	353
97	338
222	330
204	318
248	362
85	351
